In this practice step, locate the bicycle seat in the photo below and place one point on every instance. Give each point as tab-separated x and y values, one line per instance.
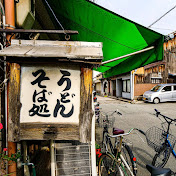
117	131
158	171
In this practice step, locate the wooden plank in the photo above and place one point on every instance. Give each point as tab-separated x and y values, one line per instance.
68	51
56	43
14	103
36	48
90	53
40	131
86	112
15	50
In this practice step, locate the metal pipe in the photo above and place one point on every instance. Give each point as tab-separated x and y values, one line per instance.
10	12
3	21
132	85
71	32
93	153
52	158
132	82
131	54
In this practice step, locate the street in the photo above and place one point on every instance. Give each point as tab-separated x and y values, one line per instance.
139	115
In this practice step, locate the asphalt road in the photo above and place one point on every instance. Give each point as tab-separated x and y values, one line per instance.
139	115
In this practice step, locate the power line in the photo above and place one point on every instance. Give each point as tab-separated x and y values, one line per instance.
163	29
54	15
162	16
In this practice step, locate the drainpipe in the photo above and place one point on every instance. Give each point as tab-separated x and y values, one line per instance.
132	83
52	158
10	19
93	149
10	14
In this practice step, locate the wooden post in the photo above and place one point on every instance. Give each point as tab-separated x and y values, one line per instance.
14	103
86	112
13	112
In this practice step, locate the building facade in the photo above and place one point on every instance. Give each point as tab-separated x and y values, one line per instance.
133	84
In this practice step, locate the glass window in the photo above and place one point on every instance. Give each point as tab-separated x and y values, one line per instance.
156	88
167	88
174	87
126	85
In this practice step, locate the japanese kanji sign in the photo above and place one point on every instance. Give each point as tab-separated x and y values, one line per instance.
50	94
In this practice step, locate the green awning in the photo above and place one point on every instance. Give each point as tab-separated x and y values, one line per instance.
119	35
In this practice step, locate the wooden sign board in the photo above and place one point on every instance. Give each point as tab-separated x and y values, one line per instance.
50	101
50	94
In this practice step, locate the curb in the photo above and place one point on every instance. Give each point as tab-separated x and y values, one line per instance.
124	100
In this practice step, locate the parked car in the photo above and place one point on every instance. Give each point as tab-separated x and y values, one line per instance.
161	93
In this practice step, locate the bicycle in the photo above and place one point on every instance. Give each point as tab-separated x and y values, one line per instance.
97	111
159	171
116	159
162	141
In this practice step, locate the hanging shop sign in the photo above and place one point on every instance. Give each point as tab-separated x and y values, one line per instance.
50	89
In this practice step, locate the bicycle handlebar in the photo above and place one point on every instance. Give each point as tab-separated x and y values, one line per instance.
116	111
119	113
165	117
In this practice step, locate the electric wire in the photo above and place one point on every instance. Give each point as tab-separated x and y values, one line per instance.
163	29
2	85
136	49
55	16
85	28
162	16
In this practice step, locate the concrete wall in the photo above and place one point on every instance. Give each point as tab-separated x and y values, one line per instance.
139	89
98	88
126	95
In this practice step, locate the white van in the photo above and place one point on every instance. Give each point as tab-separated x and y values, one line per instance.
161	93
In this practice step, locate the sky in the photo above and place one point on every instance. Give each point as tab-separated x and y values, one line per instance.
145	12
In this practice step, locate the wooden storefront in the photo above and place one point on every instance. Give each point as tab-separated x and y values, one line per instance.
50	90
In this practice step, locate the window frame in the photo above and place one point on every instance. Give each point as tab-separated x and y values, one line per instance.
167	90
127	86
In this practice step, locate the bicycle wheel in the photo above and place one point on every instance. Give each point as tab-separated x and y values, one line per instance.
160	159
108	166
127	154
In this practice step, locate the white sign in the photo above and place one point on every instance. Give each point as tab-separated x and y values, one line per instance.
50	94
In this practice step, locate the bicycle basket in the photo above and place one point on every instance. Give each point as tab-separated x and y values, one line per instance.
156	137
106	120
